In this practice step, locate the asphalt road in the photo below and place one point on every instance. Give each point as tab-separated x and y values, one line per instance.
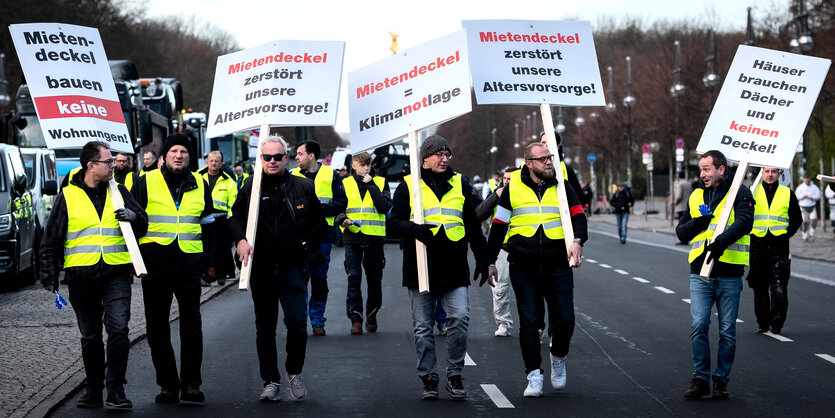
630	355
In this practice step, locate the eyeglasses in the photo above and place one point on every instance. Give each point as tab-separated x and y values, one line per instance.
543	160
111	161
441	155
269	157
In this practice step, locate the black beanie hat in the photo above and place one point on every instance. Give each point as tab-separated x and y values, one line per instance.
432	145
177	139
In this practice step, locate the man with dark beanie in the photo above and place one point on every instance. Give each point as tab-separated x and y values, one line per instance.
178	249
449	224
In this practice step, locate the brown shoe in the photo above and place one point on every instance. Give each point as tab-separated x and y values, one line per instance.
698	388
720	390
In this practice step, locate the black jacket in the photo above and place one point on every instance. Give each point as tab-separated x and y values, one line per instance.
538	248
170	259
622	200
773	242
743	222
281	232
55	233
448	266
382	203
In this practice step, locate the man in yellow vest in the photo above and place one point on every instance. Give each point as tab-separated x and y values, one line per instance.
364	233
729	252
777	218
332	196
528	221
240	176
179	250
122	172
83	231
224	191
449	224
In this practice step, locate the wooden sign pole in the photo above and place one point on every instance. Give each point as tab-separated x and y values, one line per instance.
725	215
417	207
826	179
254	205
127	231
565	211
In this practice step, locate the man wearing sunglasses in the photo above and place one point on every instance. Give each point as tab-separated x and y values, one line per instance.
449	224
529	224
290	225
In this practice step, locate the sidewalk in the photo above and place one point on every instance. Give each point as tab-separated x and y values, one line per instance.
823	249
41	363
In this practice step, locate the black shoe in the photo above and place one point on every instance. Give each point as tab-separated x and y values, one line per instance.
371	323
430	387
90	399
720	390
166	396
623	240
117	399
356	328
762	330
192	394
698	388
455	387
221	281
776	330
319	330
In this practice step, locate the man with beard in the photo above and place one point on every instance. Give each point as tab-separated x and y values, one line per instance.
528	220
122	173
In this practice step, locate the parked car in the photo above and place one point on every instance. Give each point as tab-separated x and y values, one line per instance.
17	221
42	174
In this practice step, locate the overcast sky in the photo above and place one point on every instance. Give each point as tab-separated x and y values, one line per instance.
364	25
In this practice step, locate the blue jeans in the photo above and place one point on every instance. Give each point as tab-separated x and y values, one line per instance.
724	292
319	287
623	218
423	319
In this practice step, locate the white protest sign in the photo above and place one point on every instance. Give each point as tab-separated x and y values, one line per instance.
413	89
280	83
763	106
534	62
71	85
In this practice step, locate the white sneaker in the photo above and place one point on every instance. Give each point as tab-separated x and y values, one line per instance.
271	393
534	389
558	377
297	389
541	331
503	331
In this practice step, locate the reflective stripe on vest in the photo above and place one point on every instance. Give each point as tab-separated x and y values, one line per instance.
736	253
167	223
224	193
774	218
323	182
362	210
528	212
447	213
90	238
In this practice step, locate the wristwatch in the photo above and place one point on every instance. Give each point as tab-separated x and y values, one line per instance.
578	241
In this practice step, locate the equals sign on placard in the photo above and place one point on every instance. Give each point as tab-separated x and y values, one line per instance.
407	93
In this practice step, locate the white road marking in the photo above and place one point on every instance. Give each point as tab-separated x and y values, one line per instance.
619	271
686	300
605	266
496	396
664	289
779	337
591	261
640	280
468	361
814	279
827	357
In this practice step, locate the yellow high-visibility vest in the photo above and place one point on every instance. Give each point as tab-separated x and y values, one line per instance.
129	180
773	218
448	212
362	210
736	253
528	213
224	193
323	183
166	222
90	238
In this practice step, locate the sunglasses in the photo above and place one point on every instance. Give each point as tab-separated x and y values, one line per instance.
269	157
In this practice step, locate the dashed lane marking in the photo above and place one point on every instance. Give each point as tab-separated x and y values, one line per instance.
468	361
686	300
640	280
779	337
605	266
619	271
664	289
496	396
827	357
591	261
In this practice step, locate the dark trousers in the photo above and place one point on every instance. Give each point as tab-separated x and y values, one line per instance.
769	277
224	260
102	302
270	285
373	259
534	285
157	293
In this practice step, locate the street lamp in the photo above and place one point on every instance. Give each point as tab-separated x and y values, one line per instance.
628	103
802	42
5	100
610	93
493	150
579	121
516	141
676	90
711	79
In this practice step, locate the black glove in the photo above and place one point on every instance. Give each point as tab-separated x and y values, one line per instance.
423	232
702	222
125	214
716	250
481	269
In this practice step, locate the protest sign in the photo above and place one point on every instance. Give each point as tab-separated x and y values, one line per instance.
763	107
416	88
279	83
534	62
71	85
